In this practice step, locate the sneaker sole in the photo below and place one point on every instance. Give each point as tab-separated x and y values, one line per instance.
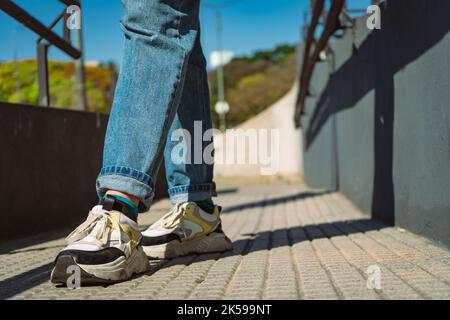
214	242
118	270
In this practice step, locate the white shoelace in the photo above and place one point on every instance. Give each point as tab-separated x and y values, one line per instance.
97	225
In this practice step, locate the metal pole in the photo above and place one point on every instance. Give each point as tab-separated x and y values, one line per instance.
220	77
80	88
42	70
16	64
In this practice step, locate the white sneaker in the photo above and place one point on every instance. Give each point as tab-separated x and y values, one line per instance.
105	247
184	230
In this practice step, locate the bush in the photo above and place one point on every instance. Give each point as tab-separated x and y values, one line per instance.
254	83
99	84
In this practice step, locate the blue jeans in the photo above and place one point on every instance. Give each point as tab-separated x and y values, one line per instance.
162	87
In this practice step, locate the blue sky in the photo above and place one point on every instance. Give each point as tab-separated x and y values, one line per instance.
248	25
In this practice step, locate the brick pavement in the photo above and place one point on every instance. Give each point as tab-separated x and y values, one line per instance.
289	243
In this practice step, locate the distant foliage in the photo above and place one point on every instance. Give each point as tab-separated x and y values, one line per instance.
252	83
255	82
279	54
18	83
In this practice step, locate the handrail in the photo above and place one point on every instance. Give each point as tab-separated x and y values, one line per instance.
44	33
37	27
332	23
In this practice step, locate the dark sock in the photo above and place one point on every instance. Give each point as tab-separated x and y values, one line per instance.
132	208
219	228
206	205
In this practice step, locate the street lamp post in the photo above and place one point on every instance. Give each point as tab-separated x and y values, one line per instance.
220	78
221	106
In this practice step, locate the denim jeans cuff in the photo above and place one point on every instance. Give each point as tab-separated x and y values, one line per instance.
126	180
193	192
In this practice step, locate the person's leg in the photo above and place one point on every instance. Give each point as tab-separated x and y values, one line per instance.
190	177
193	225
159	37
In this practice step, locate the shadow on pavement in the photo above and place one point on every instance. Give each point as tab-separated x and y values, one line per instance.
272	201
227	190
25	281
252	242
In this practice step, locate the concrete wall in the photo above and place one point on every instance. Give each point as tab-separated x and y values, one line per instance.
49	159
378	127
286	162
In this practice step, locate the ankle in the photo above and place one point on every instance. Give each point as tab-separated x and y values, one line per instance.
114	200
133	199
206	205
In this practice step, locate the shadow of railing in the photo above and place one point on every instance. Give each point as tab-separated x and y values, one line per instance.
247	244
272	201
408	31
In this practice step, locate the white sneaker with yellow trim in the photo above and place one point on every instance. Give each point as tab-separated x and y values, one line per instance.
184	230
105	247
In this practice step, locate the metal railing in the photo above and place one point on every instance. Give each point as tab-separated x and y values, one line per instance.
47	38
337	18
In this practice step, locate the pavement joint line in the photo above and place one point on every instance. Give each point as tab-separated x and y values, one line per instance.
402	258
264	216
337	291
447	281
269	250
351	238
245	250
366	254
222	255
368	234
253	231
219	256
300	293
420	292
197	259
329	238
168	264
434	257
379	293
301	207
290	243
394	234
383	263
223	293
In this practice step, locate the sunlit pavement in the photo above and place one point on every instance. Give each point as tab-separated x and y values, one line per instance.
289	243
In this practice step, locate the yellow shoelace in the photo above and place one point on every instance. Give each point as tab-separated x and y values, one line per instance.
174	216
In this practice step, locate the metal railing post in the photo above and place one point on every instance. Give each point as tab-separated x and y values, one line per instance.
42	70
80	77
46	38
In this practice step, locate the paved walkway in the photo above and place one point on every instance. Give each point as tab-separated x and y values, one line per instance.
289	243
